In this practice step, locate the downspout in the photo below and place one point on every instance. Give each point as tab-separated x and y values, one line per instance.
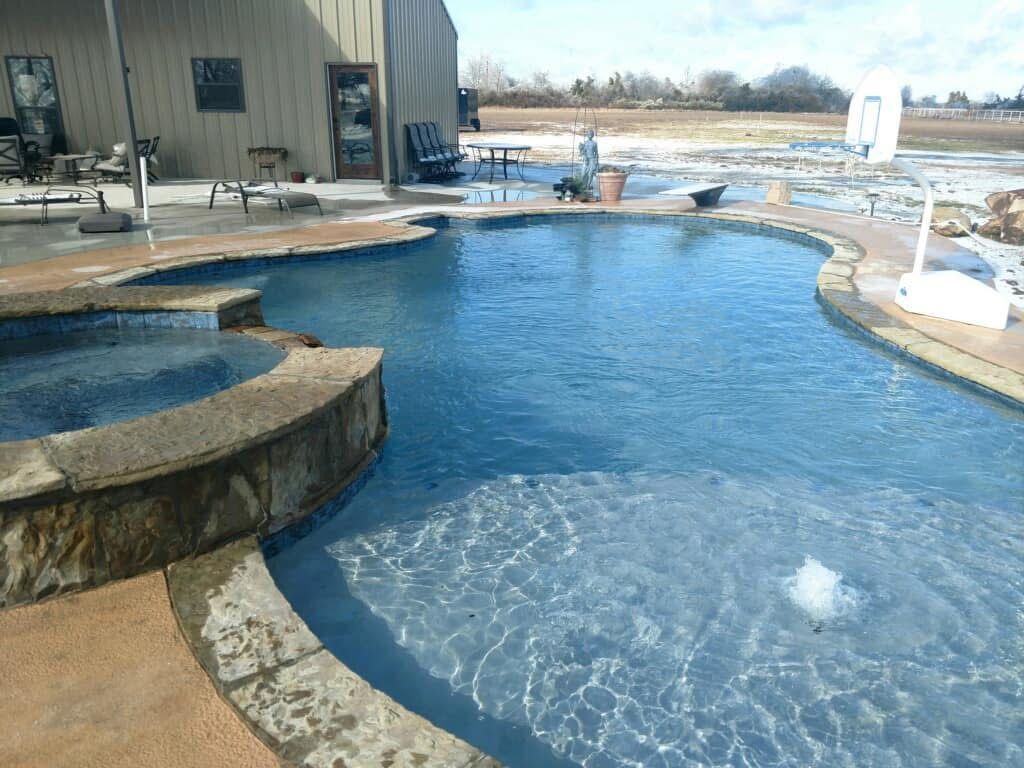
389	73
117	46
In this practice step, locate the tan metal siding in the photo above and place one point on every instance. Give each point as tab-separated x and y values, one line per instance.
284	46
423	71
80	50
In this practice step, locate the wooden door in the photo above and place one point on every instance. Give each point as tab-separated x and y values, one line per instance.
355	115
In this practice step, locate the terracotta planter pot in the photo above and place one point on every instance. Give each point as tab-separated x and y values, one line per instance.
610	186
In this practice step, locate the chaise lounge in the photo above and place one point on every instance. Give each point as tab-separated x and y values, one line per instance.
245	191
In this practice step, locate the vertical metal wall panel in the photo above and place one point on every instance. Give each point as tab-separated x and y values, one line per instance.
424	70
284	46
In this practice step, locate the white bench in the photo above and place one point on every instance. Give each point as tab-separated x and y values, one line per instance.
702	194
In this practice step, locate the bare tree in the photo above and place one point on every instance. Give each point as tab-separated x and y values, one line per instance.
712	83
540	80
487	74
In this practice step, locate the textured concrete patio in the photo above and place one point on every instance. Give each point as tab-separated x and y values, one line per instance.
104	679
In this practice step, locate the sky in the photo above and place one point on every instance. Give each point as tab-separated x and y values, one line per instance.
933	45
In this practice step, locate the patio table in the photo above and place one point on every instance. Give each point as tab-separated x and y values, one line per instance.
491	148
71	162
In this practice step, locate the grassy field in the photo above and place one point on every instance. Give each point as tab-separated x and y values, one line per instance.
755	128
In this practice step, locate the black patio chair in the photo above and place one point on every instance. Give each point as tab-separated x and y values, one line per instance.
447	152
20	158
12	159
147	148
422	156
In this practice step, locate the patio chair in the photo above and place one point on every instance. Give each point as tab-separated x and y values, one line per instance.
116	167
12	159
245	191
422	156
451	152
429	137
147	149
34	152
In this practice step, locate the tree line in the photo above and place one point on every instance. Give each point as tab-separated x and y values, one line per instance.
787	89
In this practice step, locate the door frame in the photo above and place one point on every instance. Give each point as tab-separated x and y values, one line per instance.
376	172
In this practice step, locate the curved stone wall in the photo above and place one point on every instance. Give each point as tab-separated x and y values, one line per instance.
80	508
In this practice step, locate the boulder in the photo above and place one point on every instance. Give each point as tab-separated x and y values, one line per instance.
779	193
999	202
1013	228
943	214
1007	229
992	229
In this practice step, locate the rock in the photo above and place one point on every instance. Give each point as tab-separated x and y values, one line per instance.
779	193
1013	228
999	202
1016	205
310	340
993	229
942	215
1007	229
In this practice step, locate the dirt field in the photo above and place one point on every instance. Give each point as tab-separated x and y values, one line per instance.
755	129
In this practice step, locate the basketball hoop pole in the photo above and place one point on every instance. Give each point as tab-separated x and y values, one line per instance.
926	217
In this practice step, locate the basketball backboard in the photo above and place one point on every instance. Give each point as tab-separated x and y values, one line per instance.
873	124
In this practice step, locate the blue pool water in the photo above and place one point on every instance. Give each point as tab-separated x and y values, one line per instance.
85	379
645	504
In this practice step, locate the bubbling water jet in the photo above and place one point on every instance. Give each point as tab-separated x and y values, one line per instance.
820	593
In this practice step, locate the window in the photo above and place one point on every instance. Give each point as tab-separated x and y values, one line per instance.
34	92
218	85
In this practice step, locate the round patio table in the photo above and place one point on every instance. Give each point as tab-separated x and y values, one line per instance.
487	152
71	169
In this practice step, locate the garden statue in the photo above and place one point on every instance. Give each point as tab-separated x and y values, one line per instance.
588	160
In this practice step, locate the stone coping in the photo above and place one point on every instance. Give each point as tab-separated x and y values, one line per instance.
293	693
76	309
185	298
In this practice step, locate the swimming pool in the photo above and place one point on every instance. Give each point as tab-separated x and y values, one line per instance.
644	503
58	383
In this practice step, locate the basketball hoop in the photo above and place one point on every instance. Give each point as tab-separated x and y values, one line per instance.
872	132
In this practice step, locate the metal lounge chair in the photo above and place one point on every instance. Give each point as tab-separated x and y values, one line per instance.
55	196
245	191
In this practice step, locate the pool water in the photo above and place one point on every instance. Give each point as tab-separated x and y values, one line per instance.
645	504
72	381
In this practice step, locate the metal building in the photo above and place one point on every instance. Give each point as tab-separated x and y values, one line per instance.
332	81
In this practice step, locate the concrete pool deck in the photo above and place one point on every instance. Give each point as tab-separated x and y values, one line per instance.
105	678
108	677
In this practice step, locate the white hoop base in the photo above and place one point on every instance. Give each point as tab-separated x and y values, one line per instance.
952	295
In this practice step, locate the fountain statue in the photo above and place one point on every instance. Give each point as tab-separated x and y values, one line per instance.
588	160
